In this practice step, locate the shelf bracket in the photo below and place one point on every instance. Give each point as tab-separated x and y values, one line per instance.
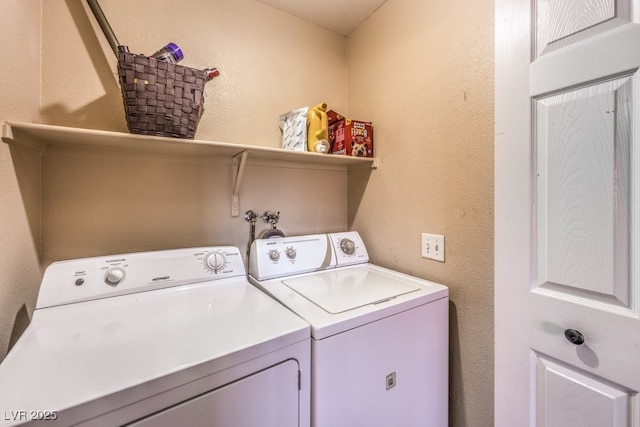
7	132
237	166
9	136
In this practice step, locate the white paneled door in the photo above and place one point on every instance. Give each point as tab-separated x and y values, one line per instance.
567	207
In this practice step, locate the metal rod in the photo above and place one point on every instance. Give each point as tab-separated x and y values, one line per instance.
104	25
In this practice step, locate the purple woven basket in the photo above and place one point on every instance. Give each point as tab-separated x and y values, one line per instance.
160	98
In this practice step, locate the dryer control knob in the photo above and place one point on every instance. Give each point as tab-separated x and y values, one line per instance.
348	246
114	276
215	261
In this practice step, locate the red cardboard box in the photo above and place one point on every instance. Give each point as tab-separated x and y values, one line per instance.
350	137
333	118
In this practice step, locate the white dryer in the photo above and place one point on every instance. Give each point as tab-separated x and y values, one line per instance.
168	338
379	337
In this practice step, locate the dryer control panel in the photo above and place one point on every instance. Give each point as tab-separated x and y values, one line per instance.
87	279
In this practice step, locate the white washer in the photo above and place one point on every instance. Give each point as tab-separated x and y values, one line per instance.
168	338
379	338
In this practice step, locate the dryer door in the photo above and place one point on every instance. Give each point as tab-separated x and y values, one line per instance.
268	398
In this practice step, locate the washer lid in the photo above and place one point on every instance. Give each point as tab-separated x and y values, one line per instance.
344	290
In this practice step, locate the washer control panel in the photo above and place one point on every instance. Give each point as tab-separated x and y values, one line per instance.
100	277
271	258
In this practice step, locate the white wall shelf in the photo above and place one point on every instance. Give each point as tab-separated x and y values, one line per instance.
48	138
42	137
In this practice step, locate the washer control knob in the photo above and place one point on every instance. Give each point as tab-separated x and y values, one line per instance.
291	253
348	246
114	276
215	261
274	255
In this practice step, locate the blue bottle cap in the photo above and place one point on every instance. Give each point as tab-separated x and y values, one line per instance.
175	51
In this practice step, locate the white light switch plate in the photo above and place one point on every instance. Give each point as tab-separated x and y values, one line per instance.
433	246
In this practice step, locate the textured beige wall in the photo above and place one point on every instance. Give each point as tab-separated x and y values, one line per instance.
19	169
422	71
98	203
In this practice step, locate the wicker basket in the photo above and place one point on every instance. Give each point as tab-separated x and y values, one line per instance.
160	98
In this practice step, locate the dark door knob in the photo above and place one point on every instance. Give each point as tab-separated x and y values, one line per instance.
574	337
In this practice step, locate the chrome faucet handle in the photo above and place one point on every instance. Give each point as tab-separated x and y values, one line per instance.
271	218
251	216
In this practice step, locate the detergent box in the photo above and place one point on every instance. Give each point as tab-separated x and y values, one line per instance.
350	137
